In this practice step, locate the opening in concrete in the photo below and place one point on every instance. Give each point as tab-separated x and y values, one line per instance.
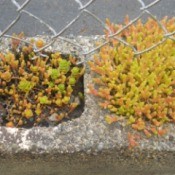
42	89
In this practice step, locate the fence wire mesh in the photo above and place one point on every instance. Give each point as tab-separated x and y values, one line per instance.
83	8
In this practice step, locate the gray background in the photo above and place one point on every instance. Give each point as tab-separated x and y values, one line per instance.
58	13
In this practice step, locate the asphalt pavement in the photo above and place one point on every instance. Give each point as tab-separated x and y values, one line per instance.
58	13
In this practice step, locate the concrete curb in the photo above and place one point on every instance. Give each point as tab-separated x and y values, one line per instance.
87	139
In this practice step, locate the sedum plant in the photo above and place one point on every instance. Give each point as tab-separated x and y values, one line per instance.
34	89
140	88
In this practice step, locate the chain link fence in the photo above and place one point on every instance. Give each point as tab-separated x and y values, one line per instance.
83	9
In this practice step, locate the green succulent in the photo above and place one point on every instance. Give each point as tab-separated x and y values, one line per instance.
72	81
51	84
61	88
54	73
44	100
34	69
25	85
64	66
75	71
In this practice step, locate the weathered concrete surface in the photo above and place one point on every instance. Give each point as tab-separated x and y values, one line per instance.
86	145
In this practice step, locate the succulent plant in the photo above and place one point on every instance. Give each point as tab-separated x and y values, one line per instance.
33	89
28	113
39	43
6	76
139	87
44	100
75	71
72	81
25	85
54	73
64	66
61	88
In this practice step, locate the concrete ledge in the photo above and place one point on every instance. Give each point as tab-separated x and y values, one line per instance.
85	144
105	163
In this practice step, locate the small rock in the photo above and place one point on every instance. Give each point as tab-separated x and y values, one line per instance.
53	117
100	146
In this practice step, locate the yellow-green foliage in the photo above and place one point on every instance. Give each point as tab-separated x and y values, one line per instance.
141	88
36	88
44	100
64	66
75	72
25	85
